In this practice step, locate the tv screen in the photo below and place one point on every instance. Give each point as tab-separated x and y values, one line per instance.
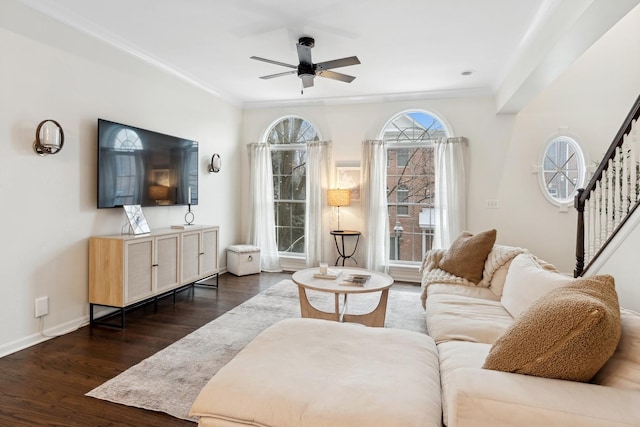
142	167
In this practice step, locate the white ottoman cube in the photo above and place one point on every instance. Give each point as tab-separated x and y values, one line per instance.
319	373
243	259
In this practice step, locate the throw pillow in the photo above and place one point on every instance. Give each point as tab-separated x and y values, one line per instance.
568	334
527	281
467	254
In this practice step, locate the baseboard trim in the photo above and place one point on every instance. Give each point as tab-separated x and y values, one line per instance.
54	331
47	334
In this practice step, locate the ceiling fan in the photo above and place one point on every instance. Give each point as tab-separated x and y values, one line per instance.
307	70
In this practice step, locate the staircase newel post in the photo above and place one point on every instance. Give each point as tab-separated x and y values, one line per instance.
579	205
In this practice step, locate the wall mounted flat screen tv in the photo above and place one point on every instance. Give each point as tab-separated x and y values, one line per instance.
142	167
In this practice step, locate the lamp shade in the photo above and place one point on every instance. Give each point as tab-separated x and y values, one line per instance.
338	197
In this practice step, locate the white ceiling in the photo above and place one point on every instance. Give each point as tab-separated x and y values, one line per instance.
406	47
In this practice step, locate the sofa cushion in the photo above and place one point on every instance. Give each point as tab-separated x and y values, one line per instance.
456	355
569	333
526	281
462	318
467	254
622	370
463	290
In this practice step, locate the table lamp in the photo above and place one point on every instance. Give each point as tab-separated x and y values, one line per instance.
338	197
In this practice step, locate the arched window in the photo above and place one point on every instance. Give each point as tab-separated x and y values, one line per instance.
410	138
288	137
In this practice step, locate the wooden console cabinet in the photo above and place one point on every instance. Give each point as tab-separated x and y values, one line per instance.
126	270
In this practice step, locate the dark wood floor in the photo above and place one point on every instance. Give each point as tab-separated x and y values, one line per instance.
45	385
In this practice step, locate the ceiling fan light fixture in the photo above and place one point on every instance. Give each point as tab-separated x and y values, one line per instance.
307	70
307	41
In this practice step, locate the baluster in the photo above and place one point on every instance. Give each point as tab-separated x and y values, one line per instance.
579	204
587	228
633	160
617	195
610	196
625	176
591	235
598	218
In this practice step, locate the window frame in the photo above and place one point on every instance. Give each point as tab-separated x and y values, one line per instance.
581	171
424	234
292	147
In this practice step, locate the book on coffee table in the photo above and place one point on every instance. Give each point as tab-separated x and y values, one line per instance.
332	273
355	279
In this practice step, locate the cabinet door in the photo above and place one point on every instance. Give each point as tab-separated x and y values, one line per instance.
190	256
138	270
106	271
209	258
167	249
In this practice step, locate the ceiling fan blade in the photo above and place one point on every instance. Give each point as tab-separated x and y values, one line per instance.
257	58
271	76
307	80
335	76
336	63
304	53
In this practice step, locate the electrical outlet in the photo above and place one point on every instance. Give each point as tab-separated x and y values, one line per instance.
492	204
42	306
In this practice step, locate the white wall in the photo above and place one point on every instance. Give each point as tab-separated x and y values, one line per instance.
49	203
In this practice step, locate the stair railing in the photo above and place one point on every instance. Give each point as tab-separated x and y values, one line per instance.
612	194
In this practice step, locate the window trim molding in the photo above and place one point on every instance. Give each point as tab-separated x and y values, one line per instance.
562	134
289	147
403	265
447	126
267	130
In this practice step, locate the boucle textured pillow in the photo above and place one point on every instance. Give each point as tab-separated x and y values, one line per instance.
568	334
467	254
526	281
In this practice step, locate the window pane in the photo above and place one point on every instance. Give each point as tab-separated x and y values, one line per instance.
411	183
402	194
402	157
562	169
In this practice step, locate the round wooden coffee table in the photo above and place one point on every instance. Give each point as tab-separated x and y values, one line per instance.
376	282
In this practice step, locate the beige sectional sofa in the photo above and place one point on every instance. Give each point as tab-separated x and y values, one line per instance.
466	319
519	345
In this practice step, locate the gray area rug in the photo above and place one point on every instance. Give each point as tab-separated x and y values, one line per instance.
170	380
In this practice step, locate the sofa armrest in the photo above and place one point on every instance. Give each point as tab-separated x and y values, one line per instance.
481	397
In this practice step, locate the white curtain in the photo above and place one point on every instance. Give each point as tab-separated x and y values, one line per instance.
450	192
262	222
317	214
374	206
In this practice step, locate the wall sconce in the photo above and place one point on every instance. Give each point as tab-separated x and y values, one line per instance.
215	164
338	197
49	138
